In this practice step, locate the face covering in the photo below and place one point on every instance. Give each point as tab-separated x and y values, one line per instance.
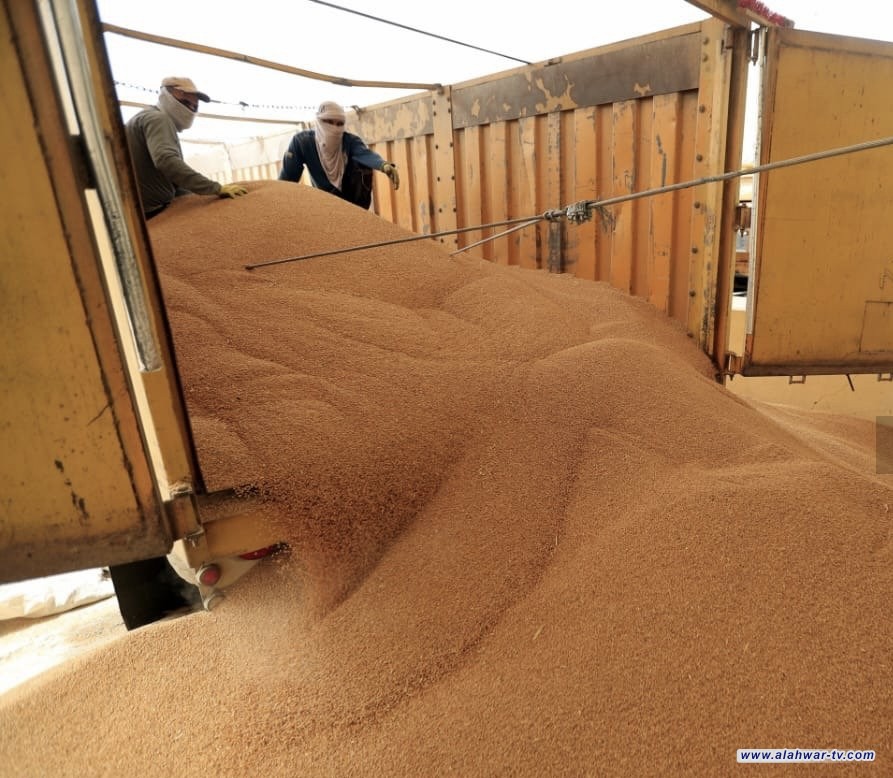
328	142
181	114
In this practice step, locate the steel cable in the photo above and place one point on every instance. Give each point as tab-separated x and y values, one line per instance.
581	211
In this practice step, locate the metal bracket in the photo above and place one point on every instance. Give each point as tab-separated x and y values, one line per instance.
579	212
755	45
734	364
183	514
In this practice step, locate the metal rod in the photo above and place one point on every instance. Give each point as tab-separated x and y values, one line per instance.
290	122
529	223
394	242
559	212
264	63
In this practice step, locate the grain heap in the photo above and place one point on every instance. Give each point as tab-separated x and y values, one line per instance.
531	535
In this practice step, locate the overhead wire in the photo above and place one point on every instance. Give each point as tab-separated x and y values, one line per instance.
227	117
175	43
581	211
235	104
421	32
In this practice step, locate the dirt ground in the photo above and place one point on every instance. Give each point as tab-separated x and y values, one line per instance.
530	534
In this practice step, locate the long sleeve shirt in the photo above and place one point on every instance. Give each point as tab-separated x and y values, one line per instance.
302	151
158	161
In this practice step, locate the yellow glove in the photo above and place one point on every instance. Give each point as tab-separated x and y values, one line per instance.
232	190
390	170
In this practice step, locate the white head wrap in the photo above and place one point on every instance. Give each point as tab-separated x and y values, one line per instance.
182	115
328	142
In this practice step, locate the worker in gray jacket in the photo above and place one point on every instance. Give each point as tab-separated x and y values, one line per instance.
339	162
155	149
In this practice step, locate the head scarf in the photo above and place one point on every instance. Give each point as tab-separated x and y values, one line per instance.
328	142
182	115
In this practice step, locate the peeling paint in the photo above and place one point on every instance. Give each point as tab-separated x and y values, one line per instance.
663	160
80	505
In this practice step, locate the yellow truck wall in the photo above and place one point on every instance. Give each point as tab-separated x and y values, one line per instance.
76	482
823	285
593	125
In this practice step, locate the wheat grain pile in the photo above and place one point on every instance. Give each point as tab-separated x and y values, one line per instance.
530	534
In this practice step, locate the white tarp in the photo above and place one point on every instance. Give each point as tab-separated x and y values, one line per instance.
40	597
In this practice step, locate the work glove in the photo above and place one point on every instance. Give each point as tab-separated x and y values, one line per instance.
390	170
232	190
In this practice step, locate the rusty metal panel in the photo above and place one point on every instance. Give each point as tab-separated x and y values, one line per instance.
657	66
620	119
409	117
823	286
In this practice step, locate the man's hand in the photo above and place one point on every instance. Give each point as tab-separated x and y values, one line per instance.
390	170
232	190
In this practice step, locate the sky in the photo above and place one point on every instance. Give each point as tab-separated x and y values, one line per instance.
316	37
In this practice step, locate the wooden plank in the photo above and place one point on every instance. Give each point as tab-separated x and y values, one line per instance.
623	182
469	185
401	198
726	10
420	177
526	168
554	184
382	202
725	281
486	250
684	209
668	64
498	189
641	256
581	239
666	130
606	220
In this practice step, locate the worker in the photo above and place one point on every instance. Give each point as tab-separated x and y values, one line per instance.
338	162
155	149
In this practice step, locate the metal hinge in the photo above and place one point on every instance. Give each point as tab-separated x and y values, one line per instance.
183	514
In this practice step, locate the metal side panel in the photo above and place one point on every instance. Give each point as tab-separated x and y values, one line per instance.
76	485
596	124
822	300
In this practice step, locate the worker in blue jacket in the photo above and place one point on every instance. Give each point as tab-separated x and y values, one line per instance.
339	162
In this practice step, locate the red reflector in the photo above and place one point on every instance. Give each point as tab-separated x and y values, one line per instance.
260	553
209	575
